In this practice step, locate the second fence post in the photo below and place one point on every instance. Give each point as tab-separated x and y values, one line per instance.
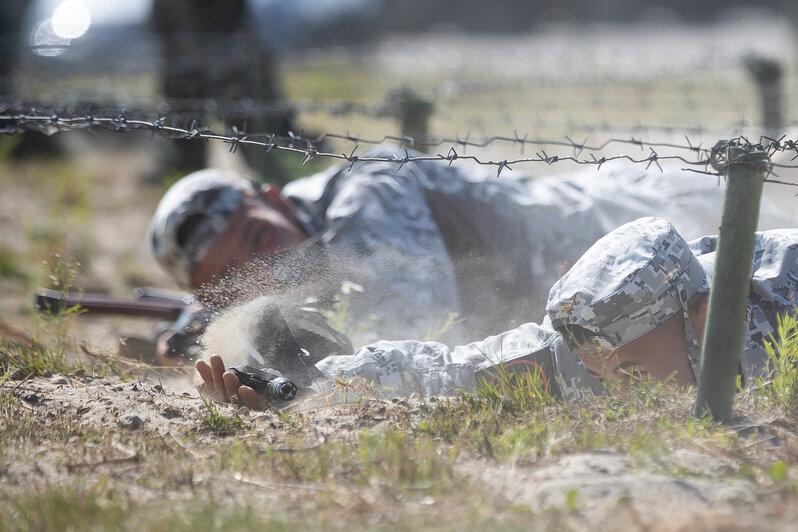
414	113
769	77
745	169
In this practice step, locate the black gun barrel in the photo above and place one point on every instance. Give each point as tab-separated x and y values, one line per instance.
273	386
281	389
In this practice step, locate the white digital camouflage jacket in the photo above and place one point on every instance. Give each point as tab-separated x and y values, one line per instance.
428	239
774	285
431	368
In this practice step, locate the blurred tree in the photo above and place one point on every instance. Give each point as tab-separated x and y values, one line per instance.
11	15
30	143
211	54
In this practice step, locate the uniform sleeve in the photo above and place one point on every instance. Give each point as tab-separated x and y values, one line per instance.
431	368
382	236
774	288
774	282
704	245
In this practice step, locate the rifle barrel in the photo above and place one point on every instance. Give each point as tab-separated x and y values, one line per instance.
54	302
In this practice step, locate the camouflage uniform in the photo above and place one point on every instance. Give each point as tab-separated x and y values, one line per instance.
629	282
426	239
774	284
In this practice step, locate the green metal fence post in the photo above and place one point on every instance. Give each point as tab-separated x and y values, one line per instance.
769	77
414	112
744	167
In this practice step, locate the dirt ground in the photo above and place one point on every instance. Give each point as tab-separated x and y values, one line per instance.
101	430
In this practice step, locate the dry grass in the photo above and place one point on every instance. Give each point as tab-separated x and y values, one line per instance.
366	463
371	463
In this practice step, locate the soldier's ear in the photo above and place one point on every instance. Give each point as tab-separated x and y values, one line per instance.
698	314
698	308
272	197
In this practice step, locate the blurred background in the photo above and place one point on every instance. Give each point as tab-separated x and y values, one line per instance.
670	72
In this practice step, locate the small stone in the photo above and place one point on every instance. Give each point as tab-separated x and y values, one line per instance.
59	379
158	388
31	398
135	387
47	373
18	374
130	421
170	412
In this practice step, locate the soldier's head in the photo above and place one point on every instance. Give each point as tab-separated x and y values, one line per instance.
213	220
634	304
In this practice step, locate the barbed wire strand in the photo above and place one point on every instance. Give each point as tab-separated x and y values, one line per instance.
246	108
312	147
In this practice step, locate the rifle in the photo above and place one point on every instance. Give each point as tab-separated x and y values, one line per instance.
185	318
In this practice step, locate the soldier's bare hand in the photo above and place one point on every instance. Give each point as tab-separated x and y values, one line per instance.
221	385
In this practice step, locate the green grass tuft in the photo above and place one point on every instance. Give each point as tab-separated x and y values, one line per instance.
517	390
34	359
218	421
780	386
11	264
69	507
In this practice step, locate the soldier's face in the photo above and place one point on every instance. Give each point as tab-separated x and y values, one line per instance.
263	225
659	354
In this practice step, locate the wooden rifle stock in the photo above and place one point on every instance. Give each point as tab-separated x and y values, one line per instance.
170	308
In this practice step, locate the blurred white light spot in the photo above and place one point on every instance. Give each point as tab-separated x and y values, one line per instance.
71	19
45	42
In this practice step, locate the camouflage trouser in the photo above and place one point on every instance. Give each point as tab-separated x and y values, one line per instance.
431	368
404	368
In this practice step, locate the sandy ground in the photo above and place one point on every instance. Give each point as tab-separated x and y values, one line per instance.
601	489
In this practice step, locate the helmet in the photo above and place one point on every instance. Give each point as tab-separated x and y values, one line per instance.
630	281
191	217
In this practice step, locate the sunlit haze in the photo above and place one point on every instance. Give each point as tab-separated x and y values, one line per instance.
71	19
45	42
101	11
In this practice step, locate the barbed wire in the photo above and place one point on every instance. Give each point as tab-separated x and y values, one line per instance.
698	160
249	108
215	68
244	109
225	61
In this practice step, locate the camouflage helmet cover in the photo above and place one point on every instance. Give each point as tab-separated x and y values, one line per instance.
631	280
191	217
